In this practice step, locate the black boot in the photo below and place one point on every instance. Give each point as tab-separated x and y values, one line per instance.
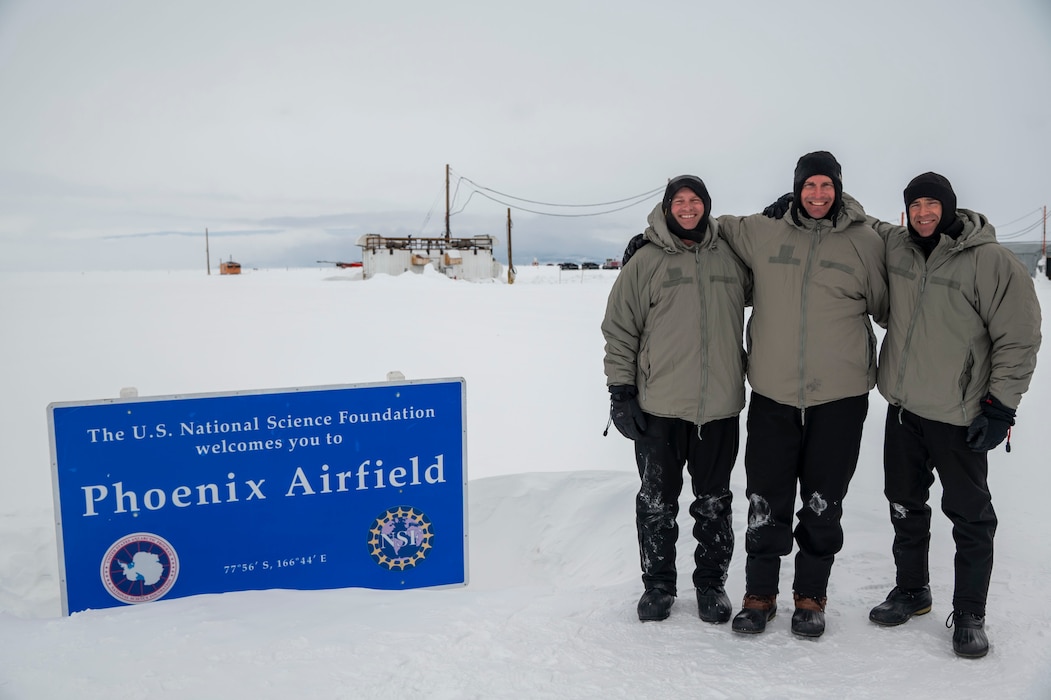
900	605
655	604
756	611
968	639
713	605
809	618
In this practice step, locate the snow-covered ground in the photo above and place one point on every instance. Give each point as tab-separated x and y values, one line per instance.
550	607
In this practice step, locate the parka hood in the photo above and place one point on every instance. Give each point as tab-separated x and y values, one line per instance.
976	229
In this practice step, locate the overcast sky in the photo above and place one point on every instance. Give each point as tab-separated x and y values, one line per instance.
288	130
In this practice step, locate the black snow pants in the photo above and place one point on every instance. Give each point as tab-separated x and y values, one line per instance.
913	448
709	452
817	449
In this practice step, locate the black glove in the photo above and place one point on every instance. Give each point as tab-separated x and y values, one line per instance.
637	241
625	411
779	208
991	427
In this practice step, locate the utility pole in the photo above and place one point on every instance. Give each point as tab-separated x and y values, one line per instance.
207	255
510	264
447	233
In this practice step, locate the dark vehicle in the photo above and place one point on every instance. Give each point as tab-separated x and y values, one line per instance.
589	266
569	266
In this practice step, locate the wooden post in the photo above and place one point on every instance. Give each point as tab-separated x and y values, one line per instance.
207	255
510	263
447	232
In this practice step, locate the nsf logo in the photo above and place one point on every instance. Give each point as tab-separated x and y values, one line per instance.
400	538
139	568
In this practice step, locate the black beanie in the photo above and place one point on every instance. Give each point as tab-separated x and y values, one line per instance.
937	187
696	185
817	163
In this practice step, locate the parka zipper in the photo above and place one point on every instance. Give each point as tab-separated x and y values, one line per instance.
951	250
912	326
815	240
703	339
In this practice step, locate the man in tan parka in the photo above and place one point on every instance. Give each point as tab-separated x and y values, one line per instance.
959	352
674	366
820	280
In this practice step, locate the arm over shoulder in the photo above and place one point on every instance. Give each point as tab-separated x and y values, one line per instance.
884	229
743	234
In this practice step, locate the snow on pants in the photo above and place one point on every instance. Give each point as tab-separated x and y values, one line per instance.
709	452
913	448
817	448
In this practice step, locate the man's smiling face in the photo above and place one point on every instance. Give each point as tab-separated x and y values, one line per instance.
818	195
924	215
687	208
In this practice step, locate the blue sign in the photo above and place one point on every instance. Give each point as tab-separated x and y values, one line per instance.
311	488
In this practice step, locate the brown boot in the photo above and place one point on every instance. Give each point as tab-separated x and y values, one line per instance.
809	618
756	611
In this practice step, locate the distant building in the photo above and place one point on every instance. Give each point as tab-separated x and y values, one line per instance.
458	258
229	267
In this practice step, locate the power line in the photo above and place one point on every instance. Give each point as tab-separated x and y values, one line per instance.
547	213
550	204
1003	236
434	205
1035	211
502	198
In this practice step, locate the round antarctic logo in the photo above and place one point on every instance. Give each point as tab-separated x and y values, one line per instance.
400	538
139	568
